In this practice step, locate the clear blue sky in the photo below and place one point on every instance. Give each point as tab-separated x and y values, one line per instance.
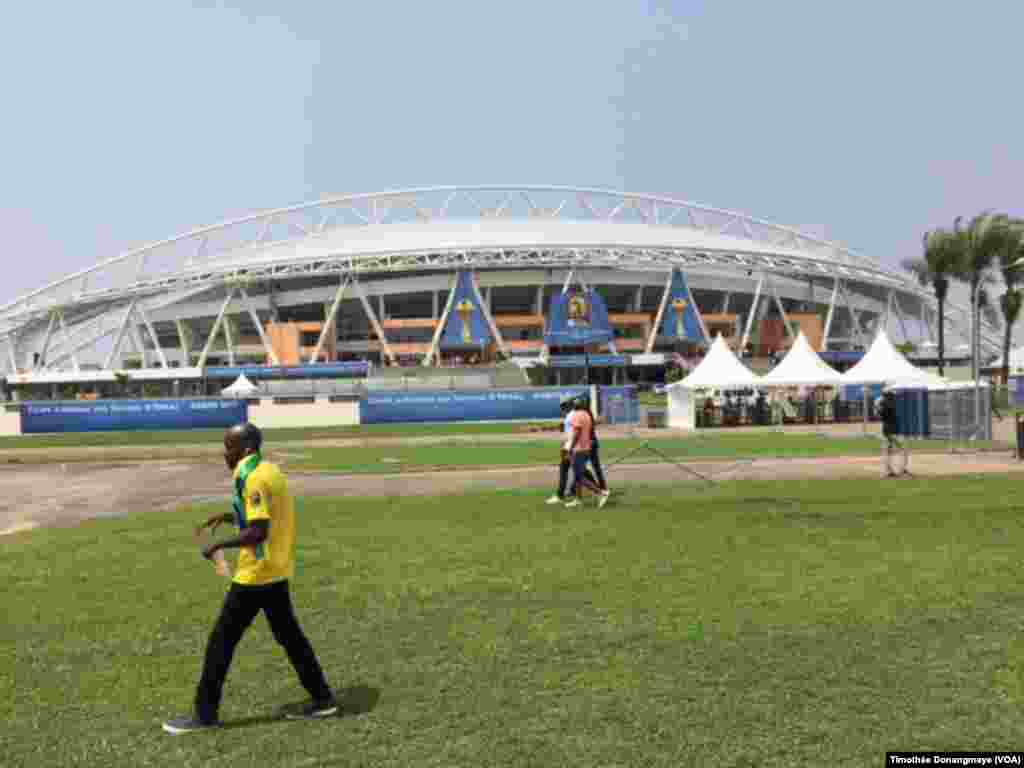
867	122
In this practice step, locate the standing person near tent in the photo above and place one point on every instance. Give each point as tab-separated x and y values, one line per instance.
890	429
566	409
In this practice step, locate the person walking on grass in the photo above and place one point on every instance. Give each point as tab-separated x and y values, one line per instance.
565	465
890	429
580	445
264	512
583	402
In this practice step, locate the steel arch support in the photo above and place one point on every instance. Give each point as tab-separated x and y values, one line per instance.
135	336
267	347
328	322
46	340
67	340
899	315
782	309
661	313
12	354
830	315
185	341
372	317
77	346
229	340
752	314
439	330
485	308
856	318
152	334
216	328
119	340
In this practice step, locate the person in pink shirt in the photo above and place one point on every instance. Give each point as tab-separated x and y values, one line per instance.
579	453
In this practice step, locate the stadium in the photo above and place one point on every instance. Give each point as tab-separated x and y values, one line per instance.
367	280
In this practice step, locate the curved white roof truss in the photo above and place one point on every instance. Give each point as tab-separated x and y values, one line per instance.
441	228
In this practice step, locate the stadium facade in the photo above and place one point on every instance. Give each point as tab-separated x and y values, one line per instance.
369	277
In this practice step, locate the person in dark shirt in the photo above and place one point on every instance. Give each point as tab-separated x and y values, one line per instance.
890	429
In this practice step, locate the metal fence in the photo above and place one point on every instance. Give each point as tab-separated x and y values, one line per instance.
955	414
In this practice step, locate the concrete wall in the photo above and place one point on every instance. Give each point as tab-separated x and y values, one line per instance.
319	414
10	424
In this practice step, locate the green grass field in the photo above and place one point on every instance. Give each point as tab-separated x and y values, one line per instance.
216	436
754	624
389	459
174	437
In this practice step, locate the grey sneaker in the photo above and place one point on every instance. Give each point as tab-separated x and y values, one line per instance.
315	709
180	725
605	495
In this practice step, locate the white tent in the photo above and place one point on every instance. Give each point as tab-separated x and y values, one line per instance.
240	388
801	367
884	364
720	369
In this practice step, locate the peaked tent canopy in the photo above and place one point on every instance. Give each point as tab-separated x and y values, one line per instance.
884	364
242	386
802	367
720	369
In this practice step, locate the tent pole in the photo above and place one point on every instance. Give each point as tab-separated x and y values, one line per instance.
865	409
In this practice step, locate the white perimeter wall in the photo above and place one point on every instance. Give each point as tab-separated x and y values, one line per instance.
10	424
268	414
319	414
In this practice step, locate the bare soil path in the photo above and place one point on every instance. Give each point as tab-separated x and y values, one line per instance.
65	494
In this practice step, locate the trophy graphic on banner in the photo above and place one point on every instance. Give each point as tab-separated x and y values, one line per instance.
577	311
465	310
679	307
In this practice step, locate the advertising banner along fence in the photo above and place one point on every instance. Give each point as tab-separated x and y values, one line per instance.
118	415
489	405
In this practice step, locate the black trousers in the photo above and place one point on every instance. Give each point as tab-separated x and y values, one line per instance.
241	605
595	460
563	478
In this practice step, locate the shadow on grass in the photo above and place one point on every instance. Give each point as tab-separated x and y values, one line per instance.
352	701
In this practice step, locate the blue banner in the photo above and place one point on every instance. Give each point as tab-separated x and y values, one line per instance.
126	415
467	405
619	405
350	370
595	361
1016	390
466	326
856	392
576	319
680	320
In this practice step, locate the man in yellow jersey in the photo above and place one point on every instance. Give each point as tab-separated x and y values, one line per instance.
265	515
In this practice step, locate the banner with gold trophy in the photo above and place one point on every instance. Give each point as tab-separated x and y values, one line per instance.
466	326
577	318
680	321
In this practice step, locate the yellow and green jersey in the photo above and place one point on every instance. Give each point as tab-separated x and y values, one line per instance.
261	493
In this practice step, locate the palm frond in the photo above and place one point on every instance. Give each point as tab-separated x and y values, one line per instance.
1011	303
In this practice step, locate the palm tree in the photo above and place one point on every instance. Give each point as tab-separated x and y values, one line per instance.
938	263
977	245
1012	301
